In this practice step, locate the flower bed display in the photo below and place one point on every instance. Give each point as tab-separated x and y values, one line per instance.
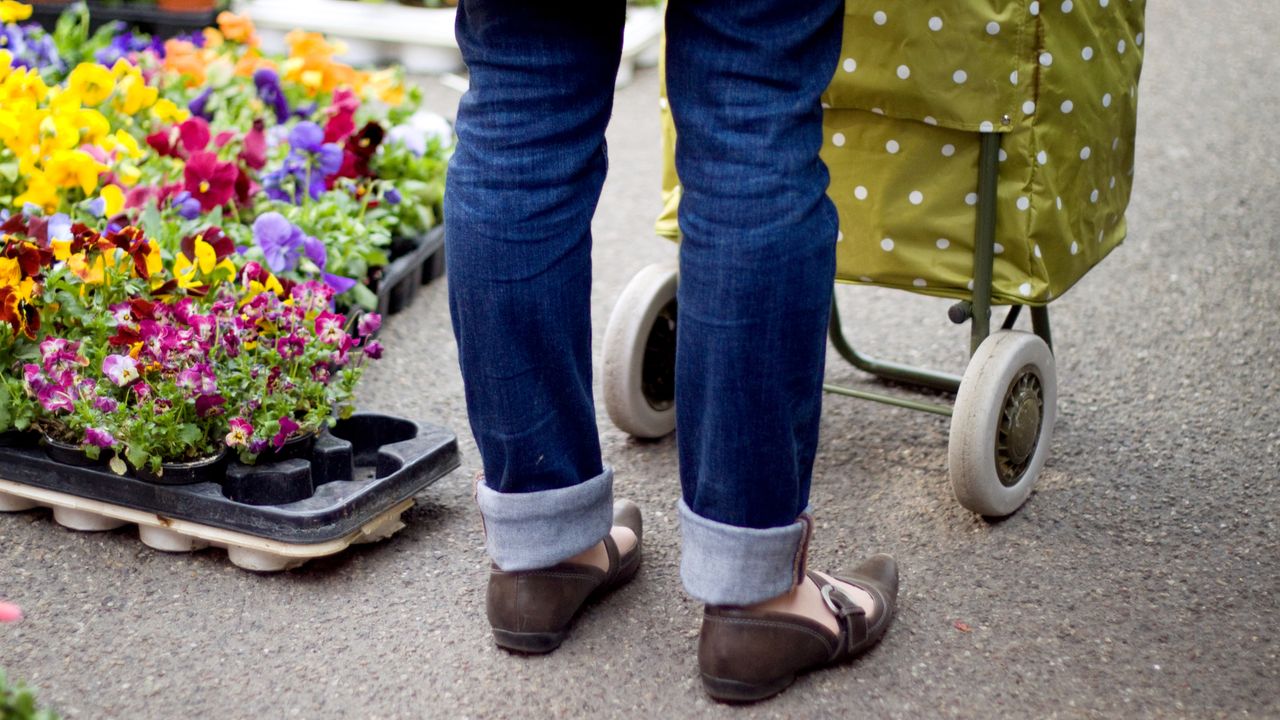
188	232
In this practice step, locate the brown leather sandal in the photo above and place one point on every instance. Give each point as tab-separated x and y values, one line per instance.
745	656
531	611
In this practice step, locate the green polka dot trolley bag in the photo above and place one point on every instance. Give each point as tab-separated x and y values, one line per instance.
980	150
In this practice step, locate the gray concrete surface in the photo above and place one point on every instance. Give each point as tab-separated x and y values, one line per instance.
1139	581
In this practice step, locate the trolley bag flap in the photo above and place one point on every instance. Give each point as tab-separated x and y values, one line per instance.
960	64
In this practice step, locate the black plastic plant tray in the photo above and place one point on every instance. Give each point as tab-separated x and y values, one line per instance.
147	18
362	467
403	276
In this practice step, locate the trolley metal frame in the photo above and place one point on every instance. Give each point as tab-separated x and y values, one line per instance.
977	309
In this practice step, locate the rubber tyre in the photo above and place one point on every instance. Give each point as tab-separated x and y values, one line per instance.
1002	360
625	340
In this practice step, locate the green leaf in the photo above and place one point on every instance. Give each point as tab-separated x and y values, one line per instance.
137	456
117	465
152	223
190	433
9	171
364	297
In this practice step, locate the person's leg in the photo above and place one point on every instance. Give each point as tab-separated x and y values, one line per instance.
523	185
757	265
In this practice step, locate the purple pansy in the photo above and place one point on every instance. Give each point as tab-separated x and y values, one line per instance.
268	84
98	438
186	204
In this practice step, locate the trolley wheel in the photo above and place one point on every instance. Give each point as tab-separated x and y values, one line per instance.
640	355
1003	422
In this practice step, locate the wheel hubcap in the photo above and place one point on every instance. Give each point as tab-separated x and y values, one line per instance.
658	371
1021	417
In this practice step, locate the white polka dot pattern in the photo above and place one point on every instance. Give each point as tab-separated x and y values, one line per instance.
914	85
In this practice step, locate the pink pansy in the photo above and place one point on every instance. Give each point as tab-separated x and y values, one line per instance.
122	369
329	328
194	134
369	324
290	346
207	405
287	428
56	398
240	433
99	438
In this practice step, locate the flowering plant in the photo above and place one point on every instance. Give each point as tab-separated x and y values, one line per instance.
155	364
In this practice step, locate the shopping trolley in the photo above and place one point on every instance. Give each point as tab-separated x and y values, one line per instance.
979	150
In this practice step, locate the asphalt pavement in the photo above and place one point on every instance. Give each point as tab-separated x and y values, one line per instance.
1140	580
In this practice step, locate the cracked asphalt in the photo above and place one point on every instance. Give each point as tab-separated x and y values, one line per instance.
1140	580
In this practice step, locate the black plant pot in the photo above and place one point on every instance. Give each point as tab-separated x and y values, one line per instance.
298	446
68	454
19	438
208	469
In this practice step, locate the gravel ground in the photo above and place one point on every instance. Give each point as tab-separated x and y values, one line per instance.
1139	580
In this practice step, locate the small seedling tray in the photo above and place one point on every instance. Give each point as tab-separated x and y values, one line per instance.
401	278
352	488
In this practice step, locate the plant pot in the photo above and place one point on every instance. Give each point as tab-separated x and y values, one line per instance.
298	446
208	469
186	6
68	454
18	438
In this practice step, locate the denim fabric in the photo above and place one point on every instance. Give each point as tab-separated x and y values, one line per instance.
524	531
523	184
730	565
757	261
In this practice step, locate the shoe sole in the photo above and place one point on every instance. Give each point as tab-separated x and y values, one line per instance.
532	643
735	691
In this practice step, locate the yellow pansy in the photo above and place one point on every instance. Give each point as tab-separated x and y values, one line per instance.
155	263
11	11
41	192
95	272
10	272
74	168
60	132
189	271
135	95
61	250
256	288
388	86
129	174
6	62
112	200
93	124
91	82
128	143
166	111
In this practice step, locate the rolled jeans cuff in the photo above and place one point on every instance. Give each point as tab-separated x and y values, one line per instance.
728	565
526	531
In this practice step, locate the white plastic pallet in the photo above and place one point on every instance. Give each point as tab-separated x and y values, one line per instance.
172	535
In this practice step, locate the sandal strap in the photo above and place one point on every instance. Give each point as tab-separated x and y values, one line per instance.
850	616
611	548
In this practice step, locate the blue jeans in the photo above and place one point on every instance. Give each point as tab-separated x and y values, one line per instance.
757	264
